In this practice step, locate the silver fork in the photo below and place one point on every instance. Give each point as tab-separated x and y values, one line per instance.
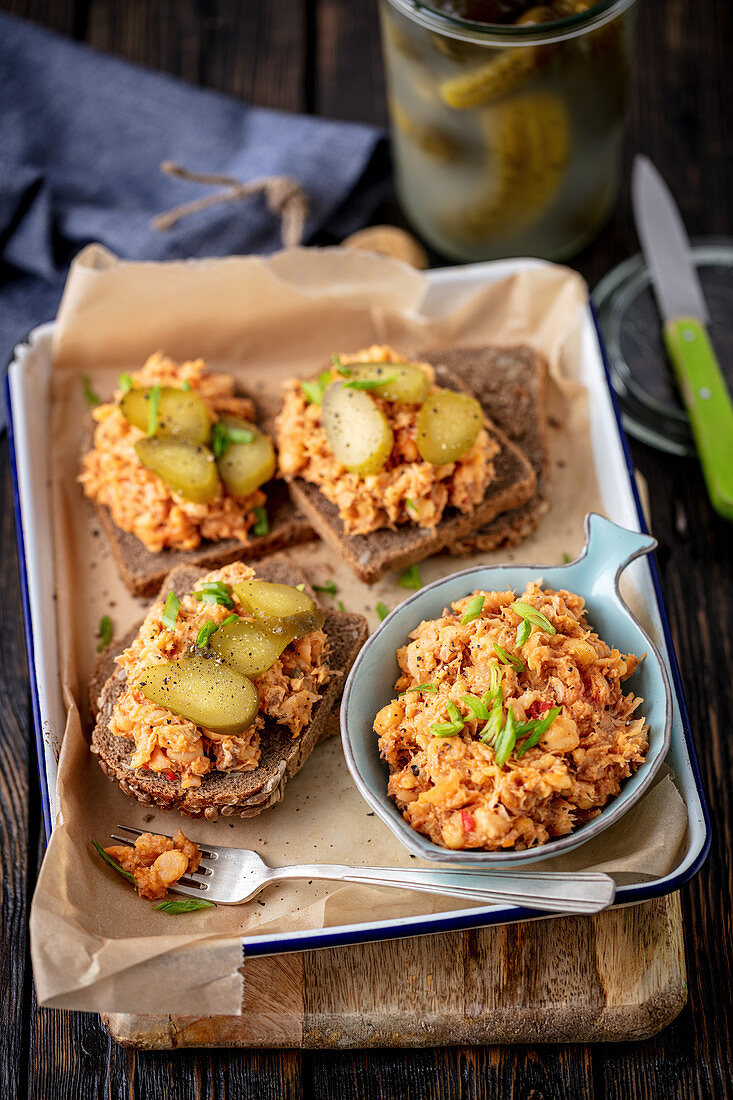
230	876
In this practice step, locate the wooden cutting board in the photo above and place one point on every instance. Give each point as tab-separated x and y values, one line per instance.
617	976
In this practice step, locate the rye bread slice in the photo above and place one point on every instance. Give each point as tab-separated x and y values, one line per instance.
143	572
244	794
511	384
371	556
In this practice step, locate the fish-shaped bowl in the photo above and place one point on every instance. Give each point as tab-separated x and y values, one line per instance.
594	575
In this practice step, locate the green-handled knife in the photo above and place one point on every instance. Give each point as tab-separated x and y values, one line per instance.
682	305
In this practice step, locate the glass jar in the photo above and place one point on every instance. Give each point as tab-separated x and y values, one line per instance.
507	138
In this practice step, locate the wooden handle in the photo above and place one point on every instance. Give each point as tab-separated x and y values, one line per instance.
708	405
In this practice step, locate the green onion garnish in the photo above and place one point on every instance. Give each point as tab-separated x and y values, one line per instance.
506	740
125	382
186	386
454	714
539	727
170	611
473	609
340	606
187	905
240	435
104	632
430	686
382	611
566	557
112	862
532	615
262	523
369	383
207	629
153	410
523	632
300	587
510	659
478	707
411	578
493	727
91	397
314	391
344	371
330	588
215	592
412	506
445	729
219	439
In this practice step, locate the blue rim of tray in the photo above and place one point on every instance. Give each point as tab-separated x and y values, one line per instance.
439	922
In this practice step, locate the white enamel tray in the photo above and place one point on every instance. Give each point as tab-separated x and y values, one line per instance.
28	401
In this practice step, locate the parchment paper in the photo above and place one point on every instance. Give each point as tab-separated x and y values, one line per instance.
96	946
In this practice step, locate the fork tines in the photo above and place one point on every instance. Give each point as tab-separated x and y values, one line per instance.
190	883
139	832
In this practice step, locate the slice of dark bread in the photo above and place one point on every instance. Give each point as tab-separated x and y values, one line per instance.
225	793
371	556
143	571
511	384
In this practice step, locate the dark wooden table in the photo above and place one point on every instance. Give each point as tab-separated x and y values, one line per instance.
323	56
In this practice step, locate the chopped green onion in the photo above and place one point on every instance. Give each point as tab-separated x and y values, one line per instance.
523	632
300	587
493	727
509	659
187	905
344	371
455	715
411	578
566	557
219	439
125	382
382	611
153	410
445	729
240	435
330	588
262	524
430	686
477	707
473	609
532	615
207	629
412	506
540	728
112	862
314	391
89	394
369	383
506	740
215	592
340	606
170	611
186	386
104	632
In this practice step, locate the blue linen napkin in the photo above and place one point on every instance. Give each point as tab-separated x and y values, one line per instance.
82	137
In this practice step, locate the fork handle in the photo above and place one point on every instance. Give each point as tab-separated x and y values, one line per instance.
554	892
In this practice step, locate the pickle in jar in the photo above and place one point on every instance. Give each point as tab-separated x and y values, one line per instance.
247	647
186	468
448	425
280	608
357	430
404	382
205	692
175	414
246	456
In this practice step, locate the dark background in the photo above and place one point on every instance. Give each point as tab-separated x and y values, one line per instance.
323	57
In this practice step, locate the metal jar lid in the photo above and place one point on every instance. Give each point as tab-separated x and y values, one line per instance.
651	409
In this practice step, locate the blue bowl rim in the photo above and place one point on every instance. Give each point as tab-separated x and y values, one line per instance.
419	845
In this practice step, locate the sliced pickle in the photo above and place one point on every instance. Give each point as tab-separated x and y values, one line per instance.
504	74
357	430
447	426
204	691
279	608
245	466
408	383
247	647
189	469
181	414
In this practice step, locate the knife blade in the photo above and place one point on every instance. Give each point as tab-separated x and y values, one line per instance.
679	294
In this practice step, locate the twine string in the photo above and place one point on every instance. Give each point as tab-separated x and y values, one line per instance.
285	198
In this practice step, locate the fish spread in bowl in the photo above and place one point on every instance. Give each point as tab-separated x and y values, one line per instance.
511	726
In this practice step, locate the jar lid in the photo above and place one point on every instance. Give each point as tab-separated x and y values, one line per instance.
651	409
